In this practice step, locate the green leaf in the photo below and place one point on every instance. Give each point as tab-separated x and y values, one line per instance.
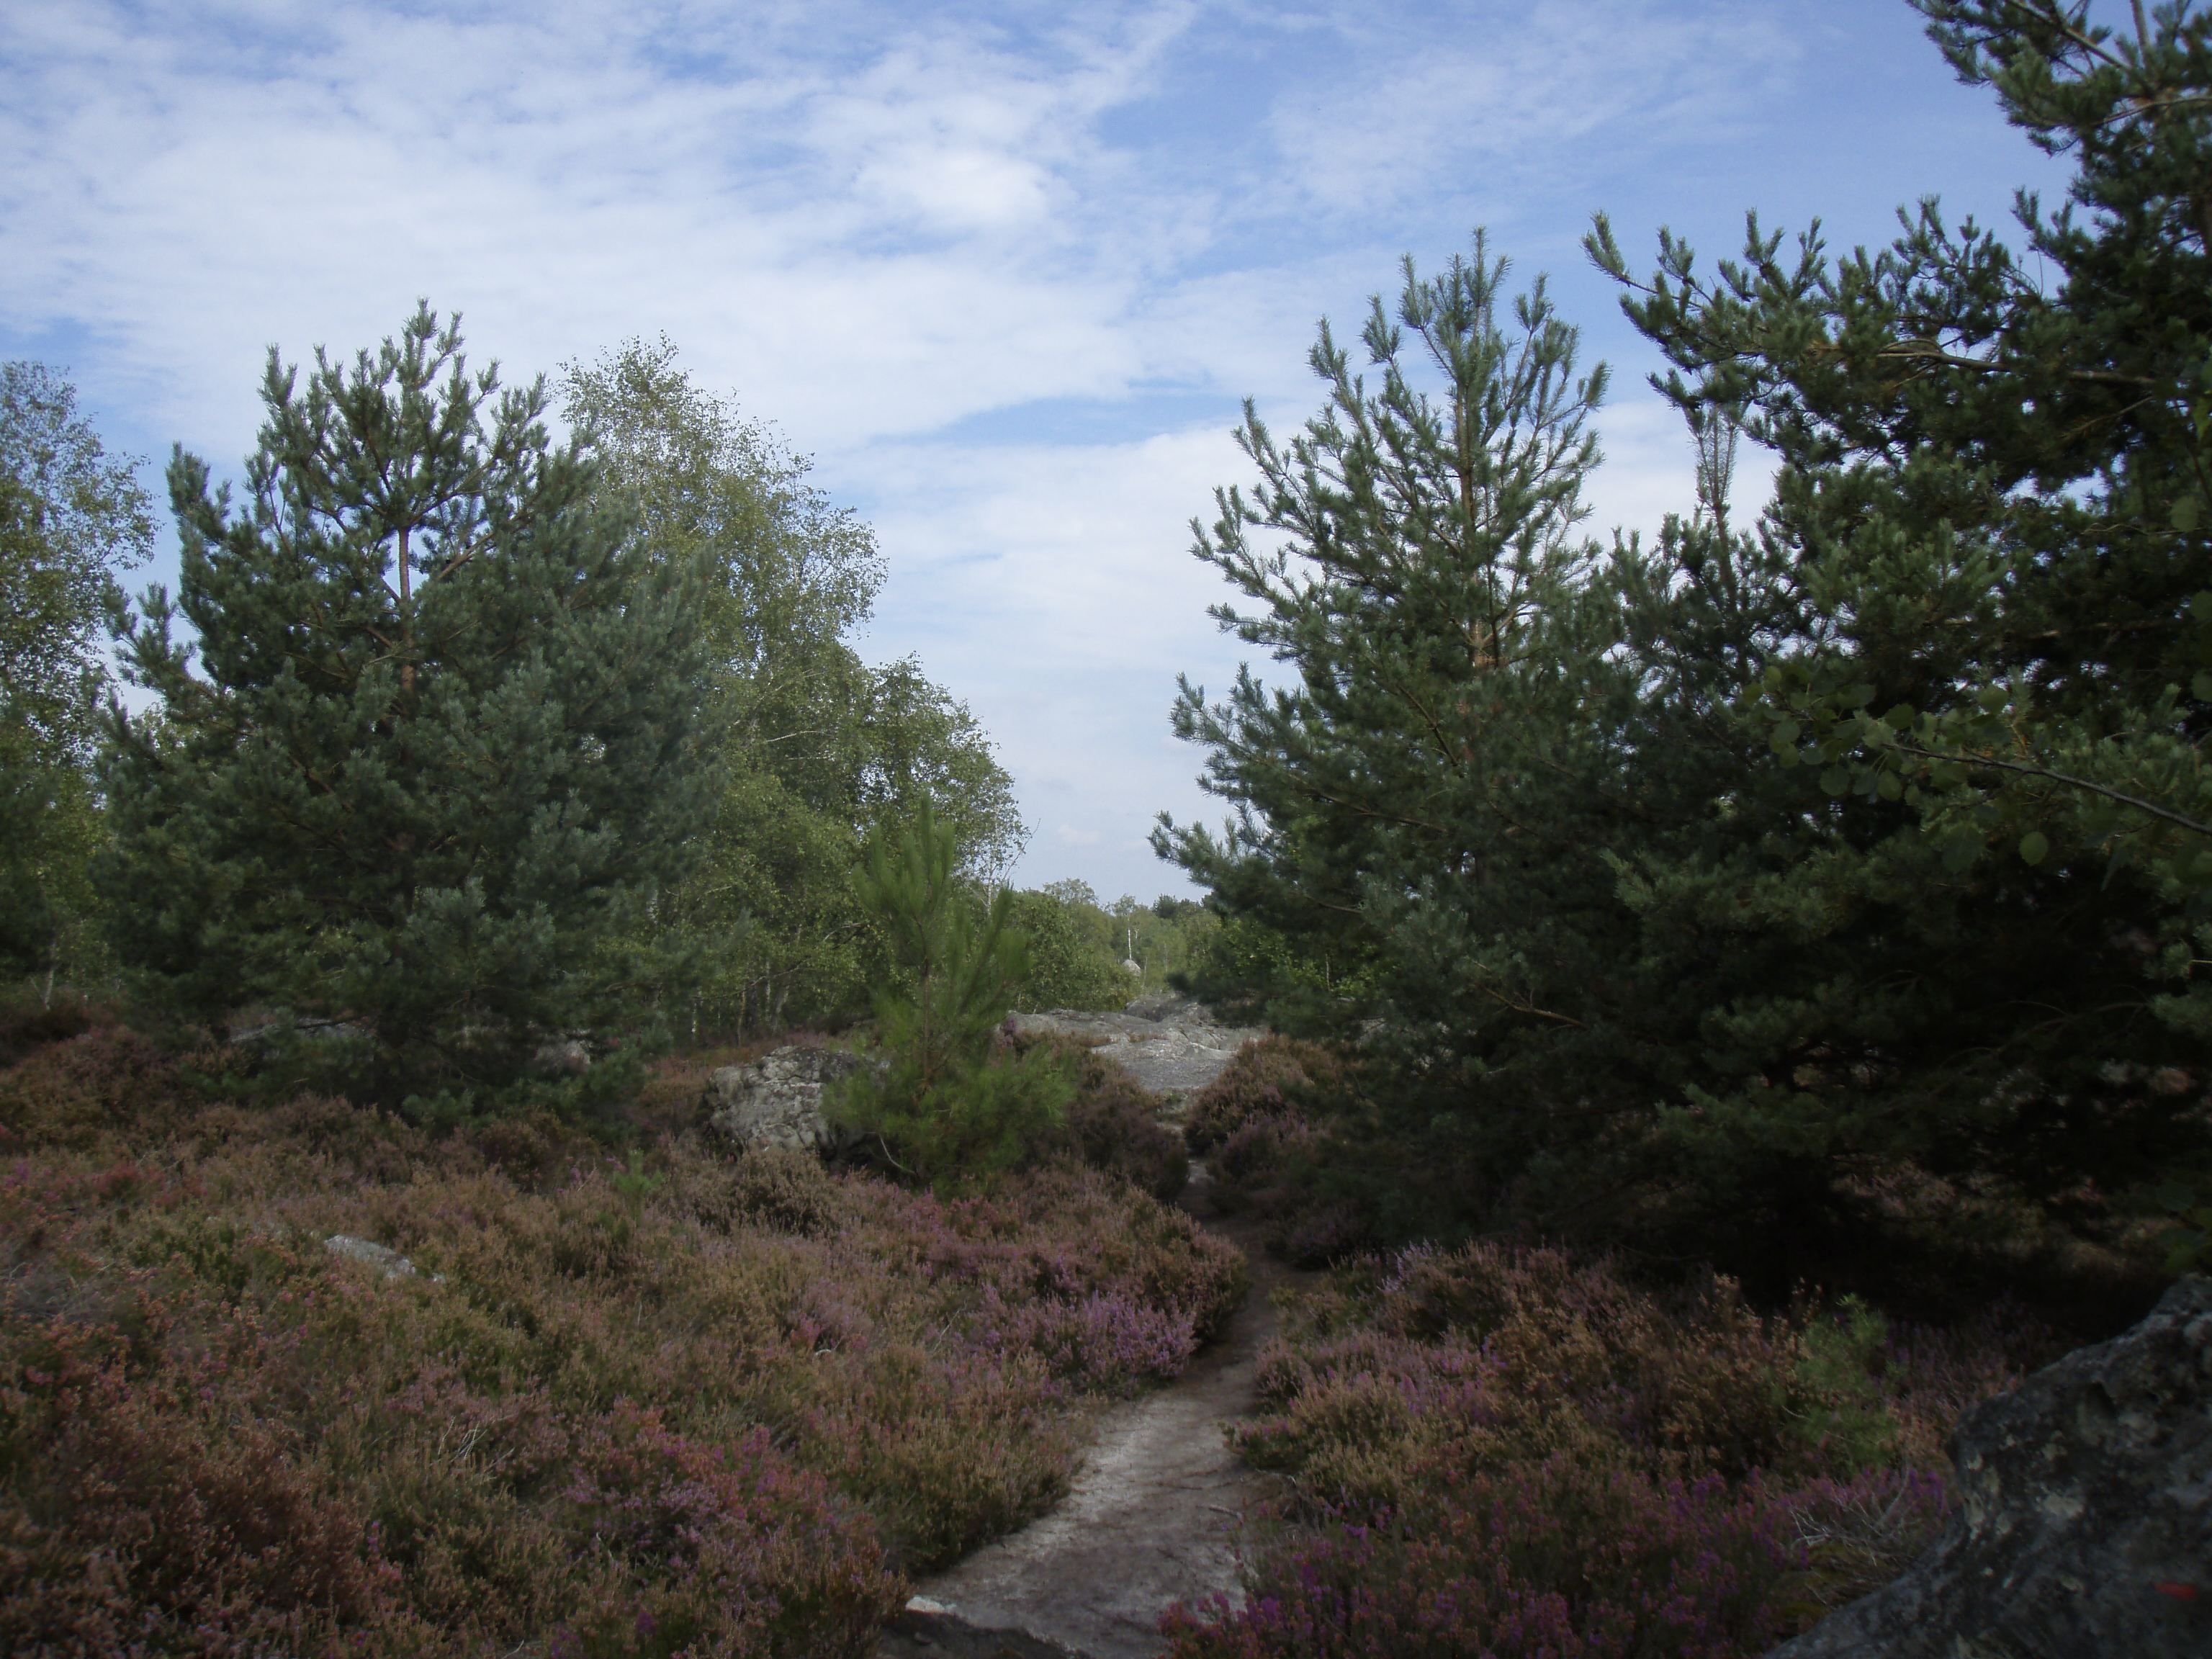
1899	717
2186	511
1836	781
1962	851
2200	687
2033	846
1785	734
2200	607
2176	1197
1885	785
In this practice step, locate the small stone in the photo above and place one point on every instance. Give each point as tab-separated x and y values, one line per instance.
387	1261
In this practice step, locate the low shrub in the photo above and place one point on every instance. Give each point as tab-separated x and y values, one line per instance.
668	1402
1515	1450
102	1086
1545	1558
1113	1123
1265	1078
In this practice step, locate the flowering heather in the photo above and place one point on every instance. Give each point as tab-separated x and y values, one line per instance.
691	1404
1113	1123
1507	1451
1263	1080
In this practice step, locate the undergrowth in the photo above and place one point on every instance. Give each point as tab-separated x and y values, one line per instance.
1516	1452
669	1402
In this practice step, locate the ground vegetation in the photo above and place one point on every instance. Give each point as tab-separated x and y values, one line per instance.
1507	1449
658	1402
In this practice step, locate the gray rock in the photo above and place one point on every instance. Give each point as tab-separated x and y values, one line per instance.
1170	1044
2086	1531
388	1262
776	1100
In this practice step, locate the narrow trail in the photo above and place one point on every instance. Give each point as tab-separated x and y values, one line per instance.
1153	1517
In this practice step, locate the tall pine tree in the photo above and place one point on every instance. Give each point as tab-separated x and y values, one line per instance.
1752	884
440	752
1990	535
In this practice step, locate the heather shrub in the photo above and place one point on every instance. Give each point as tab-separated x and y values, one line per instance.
1548	1557
772	1187
27	1023
93	1089
1508	1449
1113	1122
1263	1080
665	1402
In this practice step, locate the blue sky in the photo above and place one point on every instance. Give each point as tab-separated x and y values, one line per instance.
1006	272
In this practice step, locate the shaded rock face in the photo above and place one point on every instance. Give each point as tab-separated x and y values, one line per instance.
776	1100
2087	1527
1169	1045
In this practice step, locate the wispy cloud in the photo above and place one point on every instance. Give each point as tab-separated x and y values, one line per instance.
1006	269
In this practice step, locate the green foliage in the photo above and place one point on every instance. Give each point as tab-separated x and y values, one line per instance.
1080	948
819	748
634	1185
441	755
71	517
1708	886
954	1101
1071	964
1839	1371
1993	571
2190	1247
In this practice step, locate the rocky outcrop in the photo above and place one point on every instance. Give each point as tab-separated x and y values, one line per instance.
2085	1532
1169	1045
385	1261
776	1100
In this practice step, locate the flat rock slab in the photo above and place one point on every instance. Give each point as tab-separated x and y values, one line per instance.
1171	1045
1154	1517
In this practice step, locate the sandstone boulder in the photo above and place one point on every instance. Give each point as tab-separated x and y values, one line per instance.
2086	1531
776	1100
1169	1045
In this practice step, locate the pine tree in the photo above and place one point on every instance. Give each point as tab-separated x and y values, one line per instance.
441	750
1987	672
1423	804
953	1101
1763	873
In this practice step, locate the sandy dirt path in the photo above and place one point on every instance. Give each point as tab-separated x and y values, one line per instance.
1151	1519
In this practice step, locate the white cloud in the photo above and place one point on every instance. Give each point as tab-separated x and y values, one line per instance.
967	254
